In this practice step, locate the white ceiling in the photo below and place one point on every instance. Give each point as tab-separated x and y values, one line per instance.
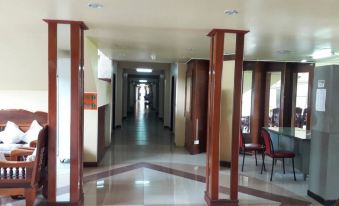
175	30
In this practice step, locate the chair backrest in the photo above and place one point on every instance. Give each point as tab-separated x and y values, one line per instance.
268	142
41	156
241	140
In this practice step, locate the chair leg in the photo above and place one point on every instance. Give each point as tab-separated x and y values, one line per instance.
284	164
30	195
272	169
263	162
243	161
255	155
295	179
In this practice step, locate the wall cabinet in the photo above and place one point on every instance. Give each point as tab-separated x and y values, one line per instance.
196	106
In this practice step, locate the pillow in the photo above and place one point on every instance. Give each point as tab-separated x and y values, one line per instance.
2	157
32	133
2	136
31	157
12	133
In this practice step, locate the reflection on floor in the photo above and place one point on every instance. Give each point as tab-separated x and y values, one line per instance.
143	167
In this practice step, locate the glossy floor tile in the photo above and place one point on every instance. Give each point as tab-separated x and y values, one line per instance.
144	167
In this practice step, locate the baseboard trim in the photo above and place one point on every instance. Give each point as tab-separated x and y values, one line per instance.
220	202
320	199
226	164
90	164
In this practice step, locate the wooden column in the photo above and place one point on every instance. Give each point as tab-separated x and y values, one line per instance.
258	101
76	104
237	97
286	96
52	109
213	116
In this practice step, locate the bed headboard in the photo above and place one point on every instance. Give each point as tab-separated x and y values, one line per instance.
22	118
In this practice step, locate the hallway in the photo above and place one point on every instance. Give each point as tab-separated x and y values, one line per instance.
144	167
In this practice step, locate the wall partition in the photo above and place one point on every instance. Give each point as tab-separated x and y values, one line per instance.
65	110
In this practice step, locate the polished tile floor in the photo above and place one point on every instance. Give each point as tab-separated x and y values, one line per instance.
143	167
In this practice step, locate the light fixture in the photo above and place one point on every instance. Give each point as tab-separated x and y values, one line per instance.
143	80
93	5
144	70
153	56
303	61
322	53
142	182
231	12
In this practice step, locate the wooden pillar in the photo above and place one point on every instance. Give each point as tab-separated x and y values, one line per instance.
286	96
213	116
258	101
237	97
76	108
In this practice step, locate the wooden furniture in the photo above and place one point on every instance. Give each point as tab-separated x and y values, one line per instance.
196	106
269	150
25	177
23	119
250	147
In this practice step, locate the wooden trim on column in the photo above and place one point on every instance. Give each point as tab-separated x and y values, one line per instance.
214	119
52	109
56	21
258	101
213	131
286	96
238	76
309	101
75	113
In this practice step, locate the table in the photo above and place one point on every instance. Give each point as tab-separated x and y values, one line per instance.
297	140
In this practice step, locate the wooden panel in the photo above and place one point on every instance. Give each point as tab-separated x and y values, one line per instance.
22	117
258	101
286	96
75	113
236	115
197	110
52	108
213	129
101	131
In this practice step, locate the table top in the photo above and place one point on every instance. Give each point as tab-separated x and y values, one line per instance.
294	132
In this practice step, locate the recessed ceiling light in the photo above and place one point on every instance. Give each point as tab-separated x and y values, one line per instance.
303	61
144	70
143	80
95	5
322	53
231	12
153	56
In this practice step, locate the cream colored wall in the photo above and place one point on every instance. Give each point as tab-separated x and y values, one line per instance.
104	95
23	69
180	105
226	110
24	99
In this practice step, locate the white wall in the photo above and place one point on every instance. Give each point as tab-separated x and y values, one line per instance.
104	97
31	100
180	105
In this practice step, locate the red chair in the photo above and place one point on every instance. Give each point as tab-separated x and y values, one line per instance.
249	148
269	151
